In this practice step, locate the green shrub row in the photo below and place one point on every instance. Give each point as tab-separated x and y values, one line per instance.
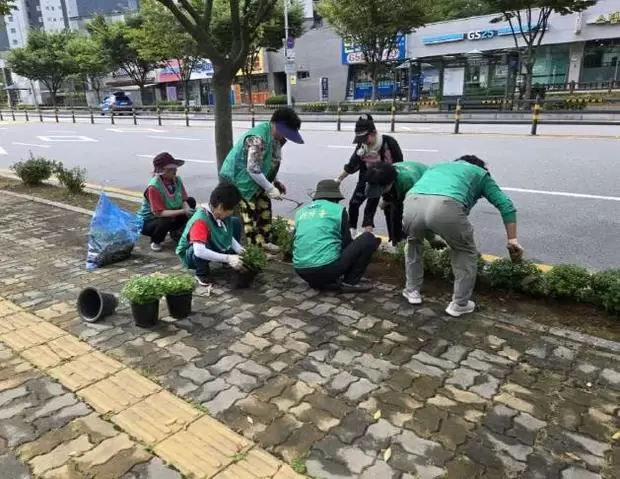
564	282
36	170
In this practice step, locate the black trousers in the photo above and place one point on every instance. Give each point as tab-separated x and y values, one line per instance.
348	269
394	219
157	228
358	197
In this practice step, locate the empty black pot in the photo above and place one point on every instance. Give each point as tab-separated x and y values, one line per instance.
180	304
93	305
145	315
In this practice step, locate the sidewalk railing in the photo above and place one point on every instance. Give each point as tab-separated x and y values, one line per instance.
534	113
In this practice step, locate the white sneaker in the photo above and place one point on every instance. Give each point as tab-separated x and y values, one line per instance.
271	248
414	297
457	310
354	233
156	247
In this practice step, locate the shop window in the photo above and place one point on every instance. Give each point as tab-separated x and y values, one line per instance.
303	75
600	63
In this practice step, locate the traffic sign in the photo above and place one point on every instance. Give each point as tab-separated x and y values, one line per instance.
290	54
290	68
290	43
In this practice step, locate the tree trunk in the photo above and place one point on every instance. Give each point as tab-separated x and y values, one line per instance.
249	89
186	92
98	93
222	80
373	74
529	70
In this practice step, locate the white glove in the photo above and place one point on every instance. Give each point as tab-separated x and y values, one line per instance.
235	261
274	193
338	180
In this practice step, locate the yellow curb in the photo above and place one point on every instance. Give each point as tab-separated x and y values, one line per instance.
179	433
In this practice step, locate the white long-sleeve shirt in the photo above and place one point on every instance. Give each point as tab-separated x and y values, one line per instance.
201	251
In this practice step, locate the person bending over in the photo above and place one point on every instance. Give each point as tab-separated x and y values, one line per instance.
441	201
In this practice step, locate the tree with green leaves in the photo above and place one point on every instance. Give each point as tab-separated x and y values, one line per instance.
93	63
45	58
118	42
6	7
454	9
529	20
374	26
270	35
224	31
161	36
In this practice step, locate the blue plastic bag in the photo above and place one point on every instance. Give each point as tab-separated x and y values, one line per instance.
113	234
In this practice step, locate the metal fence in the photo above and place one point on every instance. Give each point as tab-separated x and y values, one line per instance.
593	111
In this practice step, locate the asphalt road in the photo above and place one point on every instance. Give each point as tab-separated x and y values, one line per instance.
565	186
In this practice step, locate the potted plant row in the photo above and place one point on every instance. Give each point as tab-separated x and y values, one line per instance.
145	292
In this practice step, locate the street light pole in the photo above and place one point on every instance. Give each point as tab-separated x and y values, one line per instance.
289	99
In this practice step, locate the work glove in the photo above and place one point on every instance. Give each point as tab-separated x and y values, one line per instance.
235	261
274	193
515	250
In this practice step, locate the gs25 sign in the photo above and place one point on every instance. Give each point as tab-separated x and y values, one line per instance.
481	34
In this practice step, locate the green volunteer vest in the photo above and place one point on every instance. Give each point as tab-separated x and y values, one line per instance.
171	202
220	238
407	175
235	166
318	234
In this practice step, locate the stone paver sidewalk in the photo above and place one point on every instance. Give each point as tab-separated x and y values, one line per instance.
366	387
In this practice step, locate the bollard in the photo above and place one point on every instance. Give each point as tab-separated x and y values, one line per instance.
40	113
72	115
92	117
186	116
56	115
253	116
457	117
1	117
158	116
536	116
111	116
135	118
26	114
393	119
339	119
13	114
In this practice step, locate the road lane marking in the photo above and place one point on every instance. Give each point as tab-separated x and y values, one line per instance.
180	138
3	151
563	193
416	150
67	139
30	144
136	130
63	131
183	159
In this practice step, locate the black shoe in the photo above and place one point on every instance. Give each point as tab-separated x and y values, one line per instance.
361	287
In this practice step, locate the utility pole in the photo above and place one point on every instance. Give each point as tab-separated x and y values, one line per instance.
289	99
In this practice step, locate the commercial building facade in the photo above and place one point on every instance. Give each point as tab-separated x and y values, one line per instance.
468	57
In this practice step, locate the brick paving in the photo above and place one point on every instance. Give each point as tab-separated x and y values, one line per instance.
365	387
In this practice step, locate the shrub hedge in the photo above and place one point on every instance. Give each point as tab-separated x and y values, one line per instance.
565	282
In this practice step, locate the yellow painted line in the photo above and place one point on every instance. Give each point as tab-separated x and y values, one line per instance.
181	434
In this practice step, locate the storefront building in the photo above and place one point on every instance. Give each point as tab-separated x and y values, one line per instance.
471	57
474	57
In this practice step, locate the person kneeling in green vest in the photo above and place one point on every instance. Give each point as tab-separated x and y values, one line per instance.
391	183
252	166
324	254
212	234
441	201
166	207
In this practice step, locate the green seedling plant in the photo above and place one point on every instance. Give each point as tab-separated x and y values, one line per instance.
143	289
178	284
254	258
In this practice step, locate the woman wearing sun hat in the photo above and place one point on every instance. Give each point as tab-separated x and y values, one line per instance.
252	166
166	207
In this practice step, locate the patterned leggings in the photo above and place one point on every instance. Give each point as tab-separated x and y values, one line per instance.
257	216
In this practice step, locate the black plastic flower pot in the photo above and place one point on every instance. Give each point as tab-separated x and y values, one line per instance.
180	304
145	315
243	279
93	305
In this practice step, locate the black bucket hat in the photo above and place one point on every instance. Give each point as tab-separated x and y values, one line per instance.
328	190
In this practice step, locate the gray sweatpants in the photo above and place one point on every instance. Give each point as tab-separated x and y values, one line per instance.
448	219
